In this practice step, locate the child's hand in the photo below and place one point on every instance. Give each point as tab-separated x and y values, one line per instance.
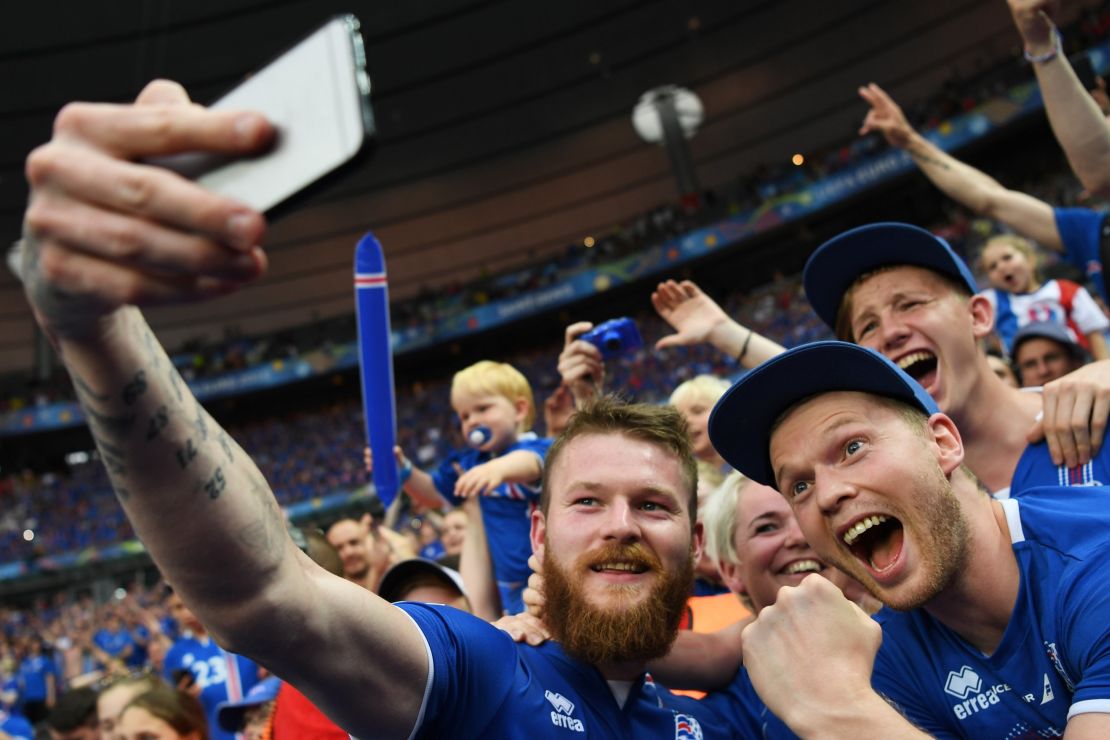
368	458
479	480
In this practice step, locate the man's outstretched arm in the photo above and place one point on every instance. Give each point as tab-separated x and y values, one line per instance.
103	235
970	187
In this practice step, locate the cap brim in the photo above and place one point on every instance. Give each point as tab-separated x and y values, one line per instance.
740	425
229	714
396	579
839	262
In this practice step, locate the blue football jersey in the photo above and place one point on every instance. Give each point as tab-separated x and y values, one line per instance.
1080	231
1035	469
483	685
506	514
1054	658
221	676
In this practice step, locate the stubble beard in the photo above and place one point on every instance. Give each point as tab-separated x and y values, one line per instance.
942	529
626	630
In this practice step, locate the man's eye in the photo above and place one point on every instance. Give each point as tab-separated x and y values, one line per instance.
854	446
865	329
799	487
586	501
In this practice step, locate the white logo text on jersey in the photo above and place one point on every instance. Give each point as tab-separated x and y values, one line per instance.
967	685
560	717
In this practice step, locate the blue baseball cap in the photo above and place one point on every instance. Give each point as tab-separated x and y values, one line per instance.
229	714
1053	330
740	425
837	263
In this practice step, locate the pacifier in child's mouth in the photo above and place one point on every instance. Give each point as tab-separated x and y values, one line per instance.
479	436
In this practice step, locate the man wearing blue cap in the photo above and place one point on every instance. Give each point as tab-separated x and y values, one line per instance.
902	291
999	623
1044	351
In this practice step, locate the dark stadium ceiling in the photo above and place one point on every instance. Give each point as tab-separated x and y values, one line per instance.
504	125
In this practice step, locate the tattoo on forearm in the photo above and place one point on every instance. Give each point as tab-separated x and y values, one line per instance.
151	345
186	454
201	423
84	389
135	388
113	457
926	159
157	423
175	383
266	534
115	426
225	445
216	484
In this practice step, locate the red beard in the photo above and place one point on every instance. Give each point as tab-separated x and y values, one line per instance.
624	631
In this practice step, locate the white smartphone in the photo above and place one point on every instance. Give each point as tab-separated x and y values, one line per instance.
317	94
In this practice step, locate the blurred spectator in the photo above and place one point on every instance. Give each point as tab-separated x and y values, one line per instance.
163	713
116	695
74	716
1044	351
198	666
252	716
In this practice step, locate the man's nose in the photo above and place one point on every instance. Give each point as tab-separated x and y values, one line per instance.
620	522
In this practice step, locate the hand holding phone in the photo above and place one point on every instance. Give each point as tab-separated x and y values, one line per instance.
316	94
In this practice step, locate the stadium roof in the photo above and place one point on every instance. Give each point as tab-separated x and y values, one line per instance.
504	125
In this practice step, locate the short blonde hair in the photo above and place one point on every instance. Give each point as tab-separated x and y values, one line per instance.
1019	243
719	518
498	378
708	388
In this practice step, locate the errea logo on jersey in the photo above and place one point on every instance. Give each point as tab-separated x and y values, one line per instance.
963	683
563	708
967	685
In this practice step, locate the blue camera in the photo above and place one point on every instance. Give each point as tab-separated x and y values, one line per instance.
615	337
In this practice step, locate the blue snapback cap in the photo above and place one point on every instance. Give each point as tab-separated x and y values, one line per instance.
740	425
837	263
229	714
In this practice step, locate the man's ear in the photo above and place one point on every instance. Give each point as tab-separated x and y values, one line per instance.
981	312
946	437
539	533
697	542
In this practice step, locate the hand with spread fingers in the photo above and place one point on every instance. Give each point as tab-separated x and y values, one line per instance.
104	230
885	116
690	312
697	318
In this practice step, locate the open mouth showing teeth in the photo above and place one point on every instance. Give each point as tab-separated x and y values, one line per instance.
619	567
918	364
876	540
803	566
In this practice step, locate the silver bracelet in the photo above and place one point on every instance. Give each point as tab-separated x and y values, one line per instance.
1048	56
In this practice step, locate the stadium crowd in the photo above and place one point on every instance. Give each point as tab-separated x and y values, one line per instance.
899	540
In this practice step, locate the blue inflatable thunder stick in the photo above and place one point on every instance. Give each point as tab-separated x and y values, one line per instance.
376	362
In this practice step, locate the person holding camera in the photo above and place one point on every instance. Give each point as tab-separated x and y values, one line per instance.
502	467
